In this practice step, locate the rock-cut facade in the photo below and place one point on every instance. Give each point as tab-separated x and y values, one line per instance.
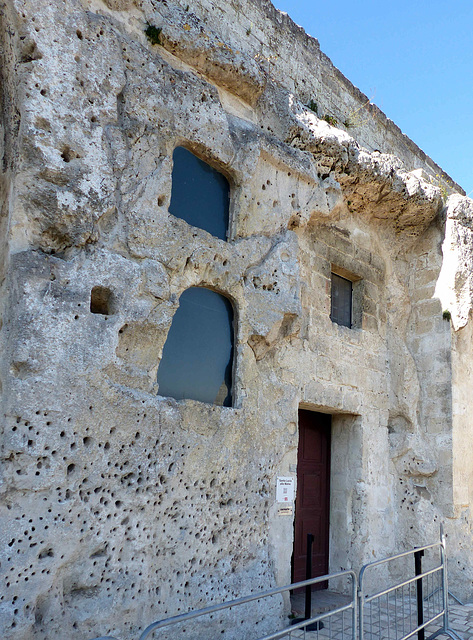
334	263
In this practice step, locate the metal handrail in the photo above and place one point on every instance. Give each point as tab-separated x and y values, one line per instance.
404	554
190	615
365	598
159	624
399	585
452	595
359	599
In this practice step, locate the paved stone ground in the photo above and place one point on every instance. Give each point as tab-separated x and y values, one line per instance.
381	625
461	620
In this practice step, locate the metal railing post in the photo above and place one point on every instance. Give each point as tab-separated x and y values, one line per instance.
443	559
360	605
354	613
308	576
420	596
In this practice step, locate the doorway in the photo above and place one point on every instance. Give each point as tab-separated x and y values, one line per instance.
313	494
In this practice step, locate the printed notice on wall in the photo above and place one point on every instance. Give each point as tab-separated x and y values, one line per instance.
285	511
285	490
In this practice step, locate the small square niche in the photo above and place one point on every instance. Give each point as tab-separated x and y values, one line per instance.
101	301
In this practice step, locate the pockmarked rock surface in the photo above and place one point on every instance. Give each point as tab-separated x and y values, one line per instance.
120	506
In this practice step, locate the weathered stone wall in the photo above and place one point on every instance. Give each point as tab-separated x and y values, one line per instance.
120	506
255	34
420	403
453	288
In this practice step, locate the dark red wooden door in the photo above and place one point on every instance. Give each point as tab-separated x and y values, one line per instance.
313	493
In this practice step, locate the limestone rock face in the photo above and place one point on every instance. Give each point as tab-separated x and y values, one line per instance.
120	506
455	284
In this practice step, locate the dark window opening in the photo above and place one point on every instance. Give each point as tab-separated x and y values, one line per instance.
101	299
341	309
200	194
198	354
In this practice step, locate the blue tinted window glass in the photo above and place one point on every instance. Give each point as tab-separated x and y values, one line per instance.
198	354
200	194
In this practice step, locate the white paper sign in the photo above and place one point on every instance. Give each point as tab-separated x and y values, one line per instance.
285	490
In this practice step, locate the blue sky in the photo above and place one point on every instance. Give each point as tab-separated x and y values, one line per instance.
413	58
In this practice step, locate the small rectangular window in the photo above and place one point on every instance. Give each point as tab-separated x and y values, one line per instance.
342	293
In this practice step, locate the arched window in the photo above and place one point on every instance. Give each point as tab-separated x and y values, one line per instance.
199	194
198	354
